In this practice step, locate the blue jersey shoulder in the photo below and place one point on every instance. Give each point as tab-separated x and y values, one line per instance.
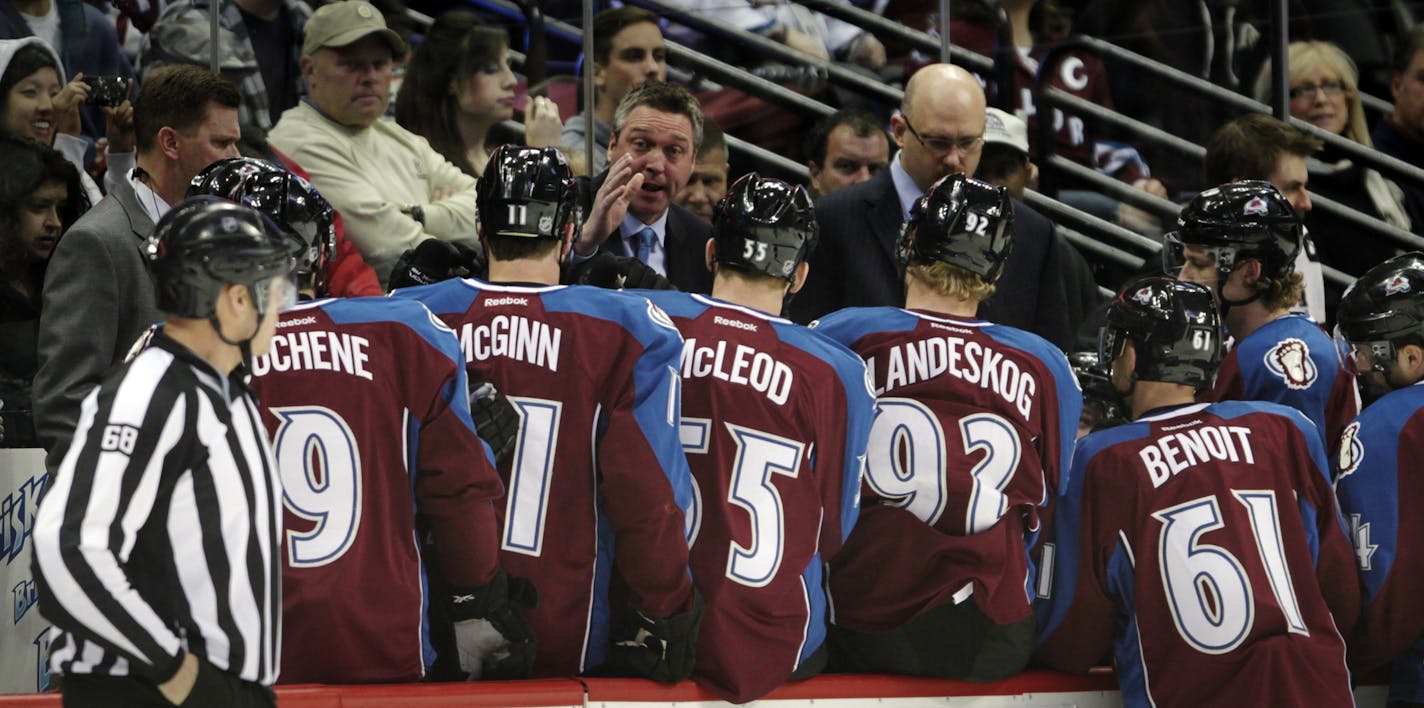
848	325
408	313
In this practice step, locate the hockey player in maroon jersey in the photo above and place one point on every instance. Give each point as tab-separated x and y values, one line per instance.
1199	544
1381	329
775	420
598	486
974	433
1240	240
365	401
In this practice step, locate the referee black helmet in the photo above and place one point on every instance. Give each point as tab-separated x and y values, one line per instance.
525	192
205	243
963	222
764	225
291	201
1174	328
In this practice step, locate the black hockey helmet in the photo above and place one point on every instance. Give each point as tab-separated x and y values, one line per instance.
1238	221
205	243
764	225
1174	327
1096	380
962	222
525	191
291	201
1382	306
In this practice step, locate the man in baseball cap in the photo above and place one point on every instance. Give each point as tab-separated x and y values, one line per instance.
1005	160
392	189
342	24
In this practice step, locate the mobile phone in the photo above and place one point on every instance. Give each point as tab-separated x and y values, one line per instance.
107	90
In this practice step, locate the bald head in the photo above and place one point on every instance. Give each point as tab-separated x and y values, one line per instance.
943	104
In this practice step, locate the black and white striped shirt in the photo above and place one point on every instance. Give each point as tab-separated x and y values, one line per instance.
160	530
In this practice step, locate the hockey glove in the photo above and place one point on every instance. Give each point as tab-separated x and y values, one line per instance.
662	649
605	270
494	638
496	421
433	260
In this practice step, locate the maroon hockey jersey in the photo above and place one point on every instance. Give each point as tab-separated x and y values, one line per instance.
365	400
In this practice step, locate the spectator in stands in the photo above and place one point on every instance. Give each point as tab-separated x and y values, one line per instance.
709	175
392	189
1259	147
82	35
36	103
1005	162
98	294
267	35
628	49
940	131
458	87
813	33
40	197
656	132
1324	92
1037	25
844	148
1401	135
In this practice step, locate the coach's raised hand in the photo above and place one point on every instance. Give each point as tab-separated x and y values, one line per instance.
610	205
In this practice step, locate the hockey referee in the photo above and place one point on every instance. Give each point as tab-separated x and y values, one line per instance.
156	547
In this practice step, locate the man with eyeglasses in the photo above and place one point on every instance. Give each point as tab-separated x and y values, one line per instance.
1401	135
940	131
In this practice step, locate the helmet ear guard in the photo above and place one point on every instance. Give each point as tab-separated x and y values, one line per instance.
962	222
765	226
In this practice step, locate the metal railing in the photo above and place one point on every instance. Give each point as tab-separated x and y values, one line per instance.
839	75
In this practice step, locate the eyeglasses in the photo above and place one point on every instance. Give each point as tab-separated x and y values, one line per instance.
1331	89
942	146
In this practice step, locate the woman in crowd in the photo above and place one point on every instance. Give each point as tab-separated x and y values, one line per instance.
458	88
40	196
37	103
1324	92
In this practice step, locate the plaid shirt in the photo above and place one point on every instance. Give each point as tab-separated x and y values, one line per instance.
253	113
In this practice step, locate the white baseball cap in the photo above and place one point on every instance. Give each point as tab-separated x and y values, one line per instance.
1005	128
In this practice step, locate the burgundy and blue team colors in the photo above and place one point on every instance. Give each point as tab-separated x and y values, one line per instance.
1290	361
598	486
974	433
775	418
1380	490
1202	547
366	405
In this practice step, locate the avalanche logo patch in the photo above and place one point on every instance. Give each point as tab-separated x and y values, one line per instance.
1396	285
1290	361
1352	451
1257	206
659	317
1143	296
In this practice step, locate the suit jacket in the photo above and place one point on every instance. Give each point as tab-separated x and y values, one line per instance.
684	246
855	265
99	296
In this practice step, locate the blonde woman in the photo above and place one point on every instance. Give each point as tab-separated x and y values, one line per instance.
1325	93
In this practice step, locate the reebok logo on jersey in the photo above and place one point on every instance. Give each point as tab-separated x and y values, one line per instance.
1290	361
738	324
1352	451
497	301
294	323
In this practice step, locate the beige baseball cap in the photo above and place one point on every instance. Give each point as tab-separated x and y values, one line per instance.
1004	128
341	23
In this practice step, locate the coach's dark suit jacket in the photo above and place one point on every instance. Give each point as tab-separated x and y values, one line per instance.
99	297
684	246
855	265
